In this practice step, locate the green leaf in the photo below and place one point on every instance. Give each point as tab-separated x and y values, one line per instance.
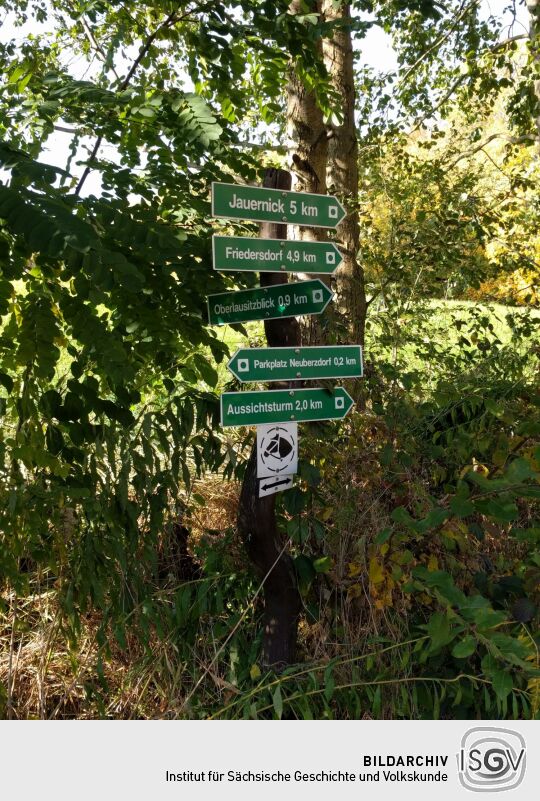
329	682
461	507
383	536
464	648
401	515
309	473
207	372
277	702
323	565
433	519
51	403
305	571
294	501
498	509
519	471
439	630
54	440
24	166
487	618
502	684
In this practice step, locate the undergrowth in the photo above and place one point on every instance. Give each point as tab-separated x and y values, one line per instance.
414	531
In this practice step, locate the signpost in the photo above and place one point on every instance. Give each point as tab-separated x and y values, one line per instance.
297	364
274	460
283	406
277	412
274	205
269	303
235	253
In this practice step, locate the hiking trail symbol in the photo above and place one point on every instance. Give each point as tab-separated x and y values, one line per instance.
277	449
269	486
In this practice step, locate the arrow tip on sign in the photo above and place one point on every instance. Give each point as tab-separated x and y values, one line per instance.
339	257
342	211
348	402
230	365
326	292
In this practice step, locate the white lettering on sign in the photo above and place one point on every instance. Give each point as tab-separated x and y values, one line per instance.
260	407
269	364
309	211
253	255
250	305
274	206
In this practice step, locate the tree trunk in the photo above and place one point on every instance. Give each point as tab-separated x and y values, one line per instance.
534	37
343	169
308	142
306	130
256	516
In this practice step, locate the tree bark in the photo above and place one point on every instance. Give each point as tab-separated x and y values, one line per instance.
256	516
306	130
307	136
343	169
533	7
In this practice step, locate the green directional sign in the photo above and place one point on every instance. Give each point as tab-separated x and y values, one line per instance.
284	405
295	364
268	303
274	205
274	255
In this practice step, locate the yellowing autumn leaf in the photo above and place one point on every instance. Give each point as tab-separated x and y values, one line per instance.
376	572
433	563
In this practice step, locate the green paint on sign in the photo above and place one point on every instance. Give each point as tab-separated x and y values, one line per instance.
274	255
269	303
274	205
284	406
296	364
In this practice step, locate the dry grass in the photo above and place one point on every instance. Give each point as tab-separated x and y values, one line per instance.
43	678
218	513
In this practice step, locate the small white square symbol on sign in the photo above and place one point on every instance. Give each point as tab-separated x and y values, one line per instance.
332	212
330	258
317	296
243	365
340	403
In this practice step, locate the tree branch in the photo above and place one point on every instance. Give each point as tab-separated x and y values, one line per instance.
461	13
169	21
441	102
97	47
63	129
514	140
506	42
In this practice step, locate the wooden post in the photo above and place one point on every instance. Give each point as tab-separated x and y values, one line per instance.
256	516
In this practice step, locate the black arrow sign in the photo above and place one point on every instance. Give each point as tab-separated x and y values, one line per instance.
277	483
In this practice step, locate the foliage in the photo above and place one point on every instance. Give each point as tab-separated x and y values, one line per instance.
108	408
414	525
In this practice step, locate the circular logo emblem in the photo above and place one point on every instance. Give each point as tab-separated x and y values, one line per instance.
277	449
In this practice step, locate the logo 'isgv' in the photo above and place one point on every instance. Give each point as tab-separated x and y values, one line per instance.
491	760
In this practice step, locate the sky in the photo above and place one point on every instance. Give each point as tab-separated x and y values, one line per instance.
376	52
